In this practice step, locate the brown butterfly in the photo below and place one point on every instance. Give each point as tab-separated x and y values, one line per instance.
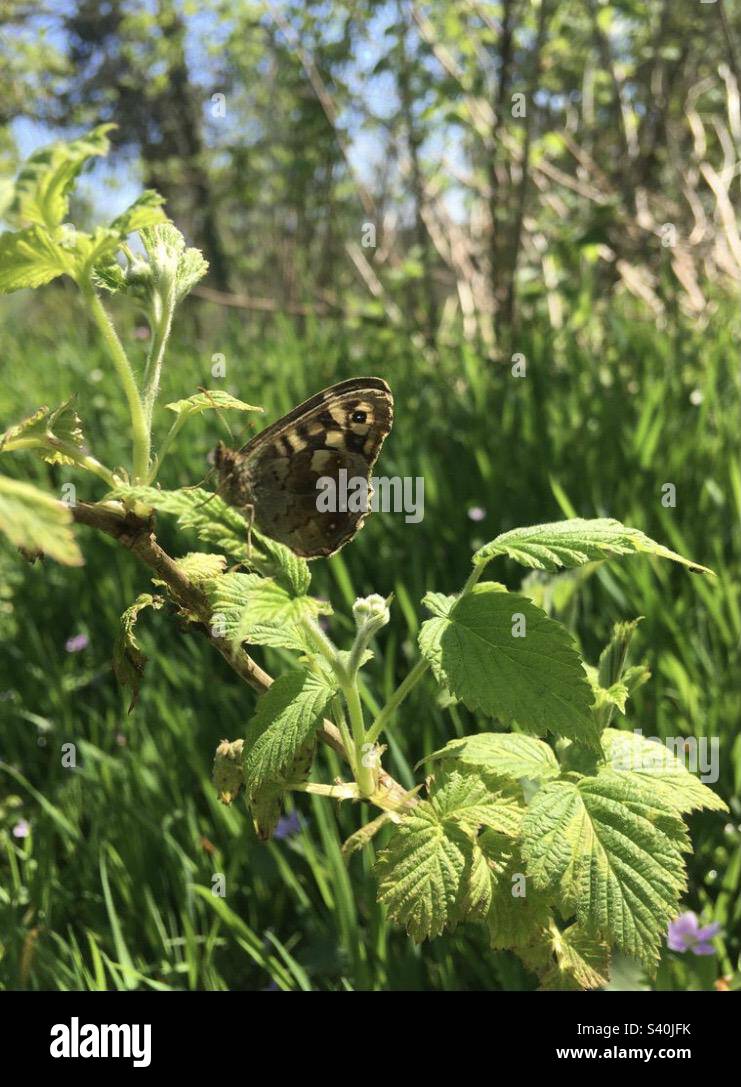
274	477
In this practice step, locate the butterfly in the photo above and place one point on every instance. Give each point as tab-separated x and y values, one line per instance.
274	476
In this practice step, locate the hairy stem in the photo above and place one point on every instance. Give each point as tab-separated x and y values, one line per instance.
365	777
322	641
409	682
339	716
153	369
164	449
473	578
341	790
139	426
81	460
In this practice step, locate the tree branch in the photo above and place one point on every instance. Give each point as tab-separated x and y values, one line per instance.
138	536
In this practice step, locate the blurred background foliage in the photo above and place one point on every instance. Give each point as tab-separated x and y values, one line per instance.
554	180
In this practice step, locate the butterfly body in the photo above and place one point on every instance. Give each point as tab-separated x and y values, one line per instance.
275	475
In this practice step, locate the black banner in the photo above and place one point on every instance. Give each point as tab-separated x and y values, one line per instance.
142	1033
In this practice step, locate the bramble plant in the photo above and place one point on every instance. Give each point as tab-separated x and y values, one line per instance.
563	849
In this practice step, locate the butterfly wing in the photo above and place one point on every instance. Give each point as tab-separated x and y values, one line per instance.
341	428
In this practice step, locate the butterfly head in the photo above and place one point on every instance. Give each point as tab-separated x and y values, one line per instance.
231	473
222	457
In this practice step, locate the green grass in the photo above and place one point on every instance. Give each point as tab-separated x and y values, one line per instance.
112	888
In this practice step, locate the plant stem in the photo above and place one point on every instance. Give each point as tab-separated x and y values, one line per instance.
407	684
89	463
355	658
473	577
339	718
160	335
342	790
164	449
412	678
323	643
82	460
139	426
364	774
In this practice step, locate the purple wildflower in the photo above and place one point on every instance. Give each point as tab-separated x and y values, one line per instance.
288	825
22	829
476	513
686	934
77	643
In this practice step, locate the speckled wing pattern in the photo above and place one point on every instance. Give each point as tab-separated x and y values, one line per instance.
275	475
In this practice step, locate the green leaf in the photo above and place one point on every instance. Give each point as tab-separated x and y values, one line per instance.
360	838
29	258
192	267
64	425
421	874
287	717
93	254
660	769
209	399
228	775
259	611
537	679
201	566
475	801
63	436
582	960
219	524
37	523
209	516
280	562
7	195
506	754
55	436
128	659
519	913
479	884
613	657
108	275
573	543
433	874
635	677
144	212
611	846
45	180
607	699
33	427
267	801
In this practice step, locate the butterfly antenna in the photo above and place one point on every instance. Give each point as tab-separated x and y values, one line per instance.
195	486
214	494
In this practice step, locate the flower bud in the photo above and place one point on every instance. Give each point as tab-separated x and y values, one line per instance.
370	613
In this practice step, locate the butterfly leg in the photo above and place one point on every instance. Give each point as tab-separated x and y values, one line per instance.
248	512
